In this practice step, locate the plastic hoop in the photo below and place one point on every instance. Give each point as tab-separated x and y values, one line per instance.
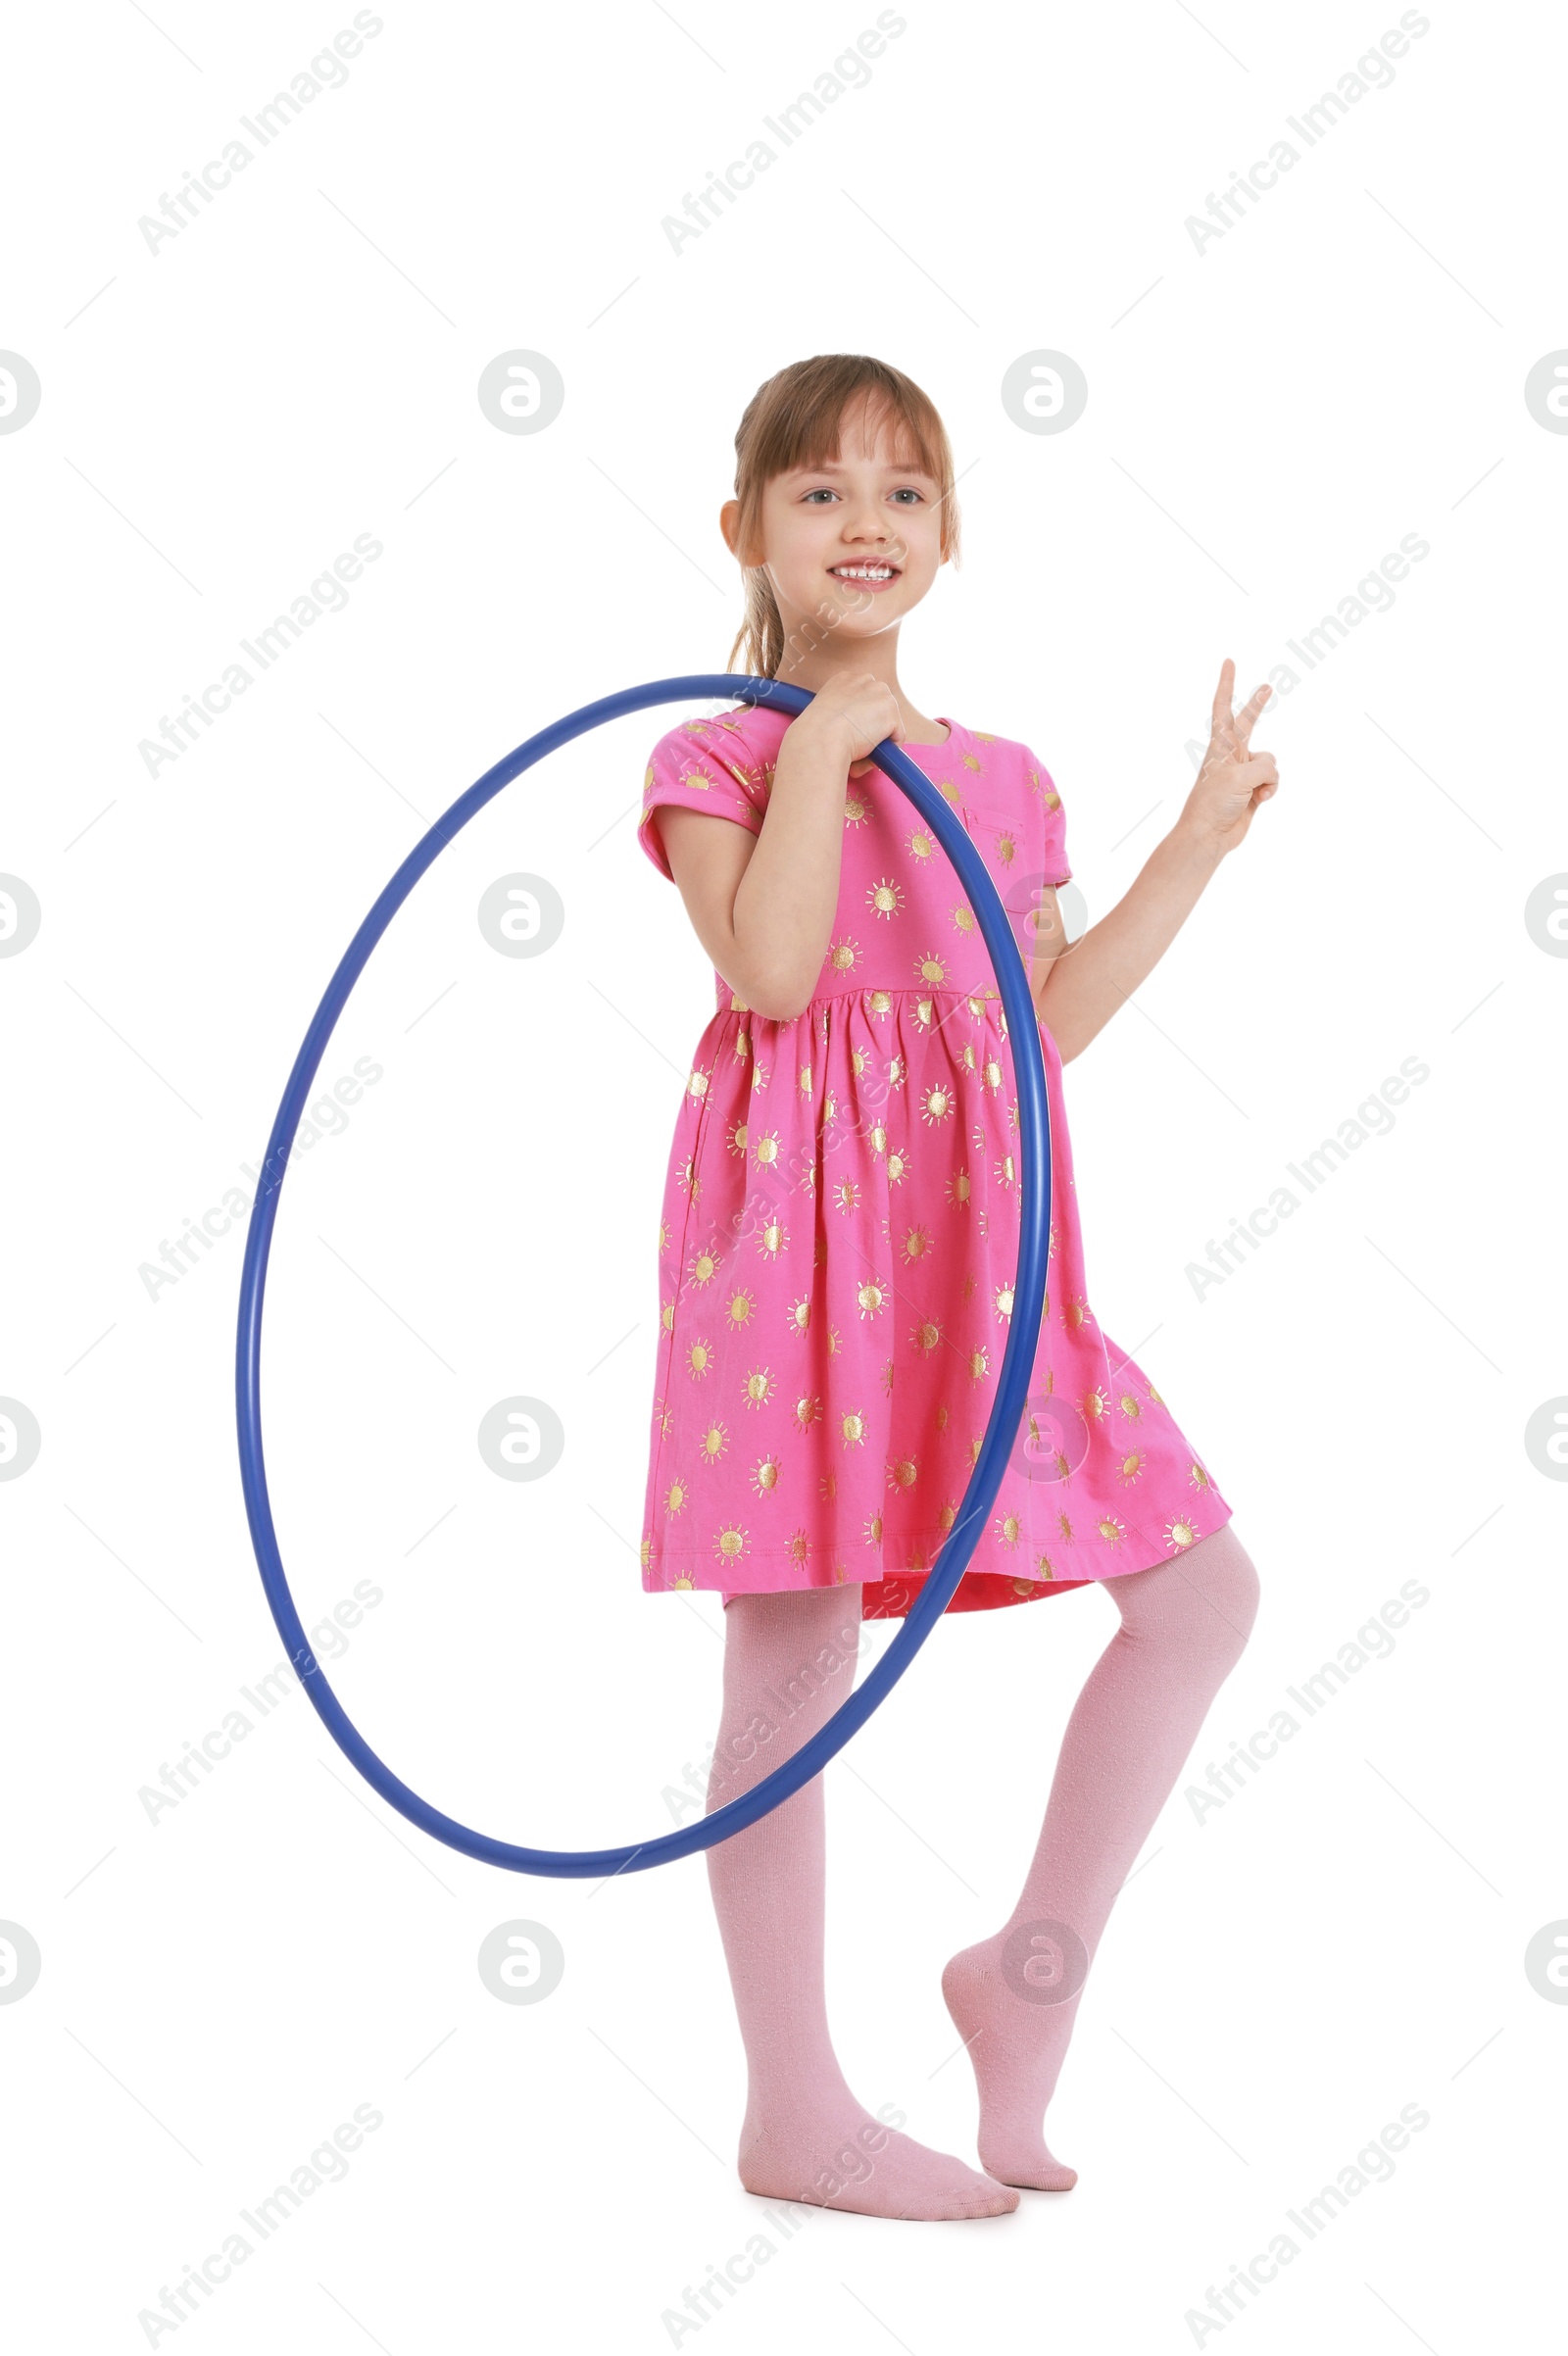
1029	1292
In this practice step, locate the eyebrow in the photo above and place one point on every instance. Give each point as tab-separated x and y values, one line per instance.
832	466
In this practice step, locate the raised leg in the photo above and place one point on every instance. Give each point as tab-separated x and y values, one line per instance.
1015	1996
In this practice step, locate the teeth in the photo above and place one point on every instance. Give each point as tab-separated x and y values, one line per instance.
862	573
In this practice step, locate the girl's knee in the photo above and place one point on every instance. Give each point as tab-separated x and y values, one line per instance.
1231	1586
1206	1598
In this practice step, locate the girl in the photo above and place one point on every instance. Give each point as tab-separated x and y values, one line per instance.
837	1252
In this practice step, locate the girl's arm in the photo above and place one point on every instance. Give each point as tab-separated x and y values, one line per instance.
762	906
1076	996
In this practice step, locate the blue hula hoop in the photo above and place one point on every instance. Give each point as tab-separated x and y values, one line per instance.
1029	1292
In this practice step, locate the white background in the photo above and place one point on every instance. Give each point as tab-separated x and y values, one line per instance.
1266	419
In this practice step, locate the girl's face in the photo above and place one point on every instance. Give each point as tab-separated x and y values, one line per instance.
854	542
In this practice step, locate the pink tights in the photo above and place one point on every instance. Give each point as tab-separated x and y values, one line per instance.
1013	1996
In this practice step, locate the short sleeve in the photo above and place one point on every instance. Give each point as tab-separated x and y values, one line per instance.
1051	816
703	766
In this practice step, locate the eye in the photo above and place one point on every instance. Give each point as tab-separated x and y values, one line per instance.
914	493
823	491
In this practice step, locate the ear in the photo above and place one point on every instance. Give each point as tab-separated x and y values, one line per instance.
729	517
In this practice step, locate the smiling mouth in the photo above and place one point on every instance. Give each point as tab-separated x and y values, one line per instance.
876	574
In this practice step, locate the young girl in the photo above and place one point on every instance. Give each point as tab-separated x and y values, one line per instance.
837	1255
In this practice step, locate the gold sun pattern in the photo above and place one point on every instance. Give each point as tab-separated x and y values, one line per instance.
838	1236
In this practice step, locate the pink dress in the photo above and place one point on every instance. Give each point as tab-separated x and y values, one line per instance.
840	1237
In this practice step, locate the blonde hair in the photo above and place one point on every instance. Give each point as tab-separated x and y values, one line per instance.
794	421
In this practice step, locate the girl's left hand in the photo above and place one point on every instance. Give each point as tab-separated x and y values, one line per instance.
1234	780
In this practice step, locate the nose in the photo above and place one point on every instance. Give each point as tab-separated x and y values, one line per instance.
864	519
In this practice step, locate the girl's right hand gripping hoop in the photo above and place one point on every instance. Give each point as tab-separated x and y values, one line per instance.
1029	1292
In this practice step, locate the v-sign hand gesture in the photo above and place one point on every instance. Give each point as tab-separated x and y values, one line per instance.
1234	780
